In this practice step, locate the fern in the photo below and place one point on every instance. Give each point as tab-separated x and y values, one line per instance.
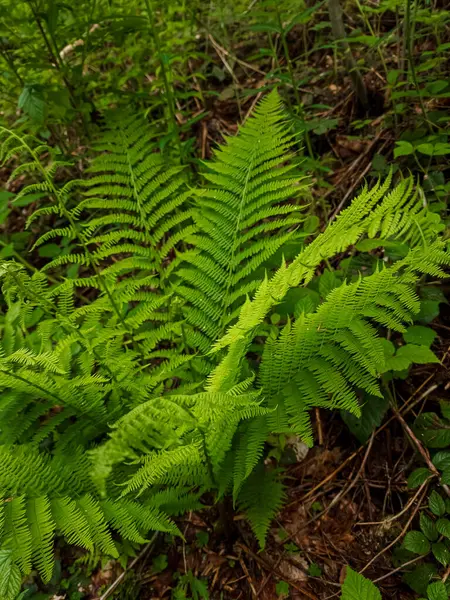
244	219
111	423
141	203
261	497
325	356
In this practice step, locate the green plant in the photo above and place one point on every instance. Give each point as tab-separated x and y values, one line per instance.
282	589
189	584
357	587
432	541
113	420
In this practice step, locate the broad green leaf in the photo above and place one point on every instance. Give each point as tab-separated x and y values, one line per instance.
403	149
432	430
417	477
416	542
32	102
373	410
445	477
357	587
434	87
282	589
417	354
321	126
159	563
428	527
429	310
436	504
441	149
314	570
419	578
392	76
437	591
49	250
431	297
425	149
367	40
29	199
445	408
441	460
443	526
441	553
418	334
311	224
5	197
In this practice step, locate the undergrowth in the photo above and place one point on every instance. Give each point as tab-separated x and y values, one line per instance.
146	379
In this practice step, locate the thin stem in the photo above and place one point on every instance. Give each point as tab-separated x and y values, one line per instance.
409	31
57	62
86	44
44	35
36	385
203	435
338	28
9	61
167	86
293	81
25	263
370	28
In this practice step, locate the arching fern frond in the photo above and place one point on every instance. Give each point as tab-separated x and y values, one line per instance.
250	211
325	357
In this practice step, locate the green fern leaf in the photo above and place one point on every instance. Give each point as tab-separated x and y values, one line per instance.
261	497
241	219
41	527
10	577
98	528
71	522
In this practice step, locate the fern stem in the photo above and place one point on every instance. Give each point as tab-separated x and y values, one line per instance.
233	251
209	464
25	263
142	214
9	61
338	28
36	385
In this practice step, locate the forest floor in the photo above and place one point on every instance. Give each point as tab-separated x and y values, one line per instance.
347	503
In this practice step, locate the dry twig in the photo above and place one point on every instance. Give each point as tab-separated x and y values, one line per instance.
424	488
132	564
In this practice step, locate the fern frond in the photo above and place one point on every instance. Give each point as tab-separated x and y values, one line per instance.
261	497
71	522
330	353
250	184
250	438
41	527
91	511
16	534
10	577
136	192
